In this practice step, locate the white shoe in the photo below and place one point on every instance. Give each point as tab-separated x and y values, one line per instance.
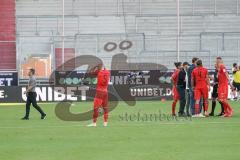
195	116
201	115
92	125
105	124
198	116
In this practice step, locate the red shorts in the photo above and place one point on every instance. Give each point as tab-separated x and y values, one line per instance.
175	93
201	92
101	99
222	91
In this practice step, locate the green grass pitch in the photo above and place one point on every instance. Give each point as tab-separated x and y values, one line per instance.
124	139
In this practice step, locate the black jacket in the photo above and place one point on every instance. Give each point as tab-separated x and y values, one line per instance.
182	78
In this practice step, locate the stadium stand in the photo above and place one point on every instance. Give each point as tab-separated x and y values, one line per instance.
7	35
212	30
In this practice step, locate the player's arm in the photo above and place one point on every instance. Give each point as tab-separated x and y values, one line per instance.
94	70
30	87
229	82
223	69
173	78
228	78
226	73
208	80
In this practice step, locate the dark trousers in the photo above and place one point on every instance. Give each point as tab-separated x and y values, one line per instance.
182	96
31	99
188	110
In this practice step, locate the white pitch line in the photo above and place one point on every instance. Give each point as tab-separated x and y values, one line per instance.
18	104
127	125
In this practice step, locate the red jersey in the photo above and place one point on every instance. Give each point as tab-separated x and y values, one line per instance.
103	77
222	78
175	76
199	76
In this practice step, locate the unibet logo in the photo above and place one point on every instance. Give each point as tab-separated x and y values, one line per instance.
1	93
5	81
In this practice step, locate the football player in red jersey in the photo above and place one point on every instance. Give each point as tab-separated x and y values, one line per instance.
174	79
223	80
101	96
200	82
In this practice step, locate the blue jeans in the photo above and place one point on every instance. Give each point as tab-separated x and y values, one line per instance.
192	101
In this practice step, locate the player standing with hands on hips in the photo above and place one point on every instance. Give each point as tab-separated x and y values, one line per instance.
101	96
31	96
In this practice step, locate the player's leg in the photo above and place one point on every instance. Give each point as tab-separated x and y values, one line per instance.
36	106
96	106
105	110
174	104
222	96
98	101
197	96
197	107
215	95
205	100
28	104
222	109
227	108
175	100
238	91
181	91
233	91
233	94
214	100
